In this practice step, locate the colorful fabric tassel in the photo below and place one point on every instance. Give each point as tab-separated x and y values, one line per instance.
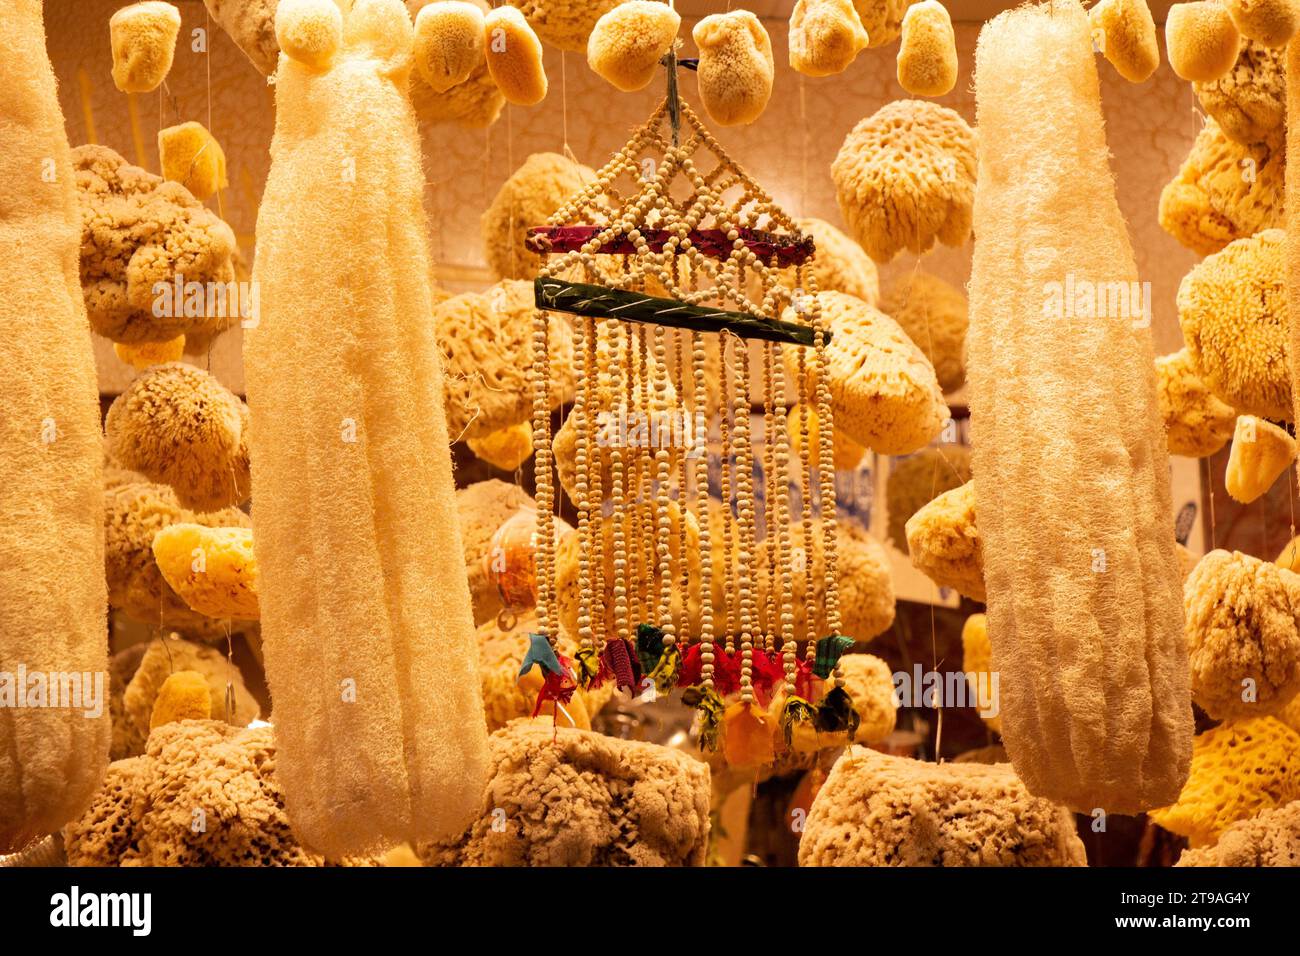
829	651
622	663
540	654
649	646
709	705
835	714
768	673
588	668
805	682
747	735
692	666
796	710
665	672
726	671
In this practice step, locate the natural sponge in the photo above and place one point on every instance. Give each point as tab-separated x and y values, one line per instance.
147	354
846	454
528	198
578	798
1270	22
905	176
736	67
882	19
1128	37
481	509
506	448
1201	39
183	696
944	542
1197	424
143	36
514	56
565	24
934	315
1249	101
840	265
191	156
878	810
212	569
449	43
1270	839
1261	451
52	603
251	24
977	663
825	36
870	683
309	31
1232	309
917	480
473	104
627	43
927	54
176	424
1080	566
1242	635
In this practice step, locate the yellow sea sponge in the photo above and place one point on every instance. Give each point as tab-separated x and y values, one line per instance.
1261	451
1201	39
905	176
176	424
977	659
191	156
481	509
474	104
917	480
565	24
840	264
1270	839
1249	101
1197	424
927	54
506	448
529	197
1270	22
870	683
944	542
183	696
1128	37
825	36
882	19
449	43
845	452
628	42
1239	770
309	31
514	56
214	570
146	354
736	67
1232	309
1242	635
143	36
934	314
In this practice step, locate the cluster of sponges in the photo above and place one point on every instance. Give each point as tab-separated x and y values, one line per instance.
1261	451
578	798
977	662
917	480
213	570
1232	309
1239	770
627	43
944	542
143	37
544	183
1197	424
878	810
138	230
1270	839
1201	39
1128	37
1242	635
905	176
882	19
927	53
825	36
1249	101
191	156
481	509
934	314
177	425
736	67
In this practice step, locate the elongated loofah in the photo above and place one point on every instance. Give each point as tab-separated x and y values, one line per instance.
372	660
191	156
143	36
628	42
214	570
736	67
1270	22
540	186
977	660
183	696
1261	451
927	54
514	56
449	43
945	545
934	315
148	354
1249	101
1201	39
52	600
1128	37
825	36
1080	568
1196	423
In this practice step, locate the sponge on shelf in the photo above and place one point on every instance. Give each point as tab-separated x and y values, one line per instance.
449	43
927	53
1128	37
736	67
144	355
1201	39
1261	451
143	36
191	156
183	696
825	36
514	56
214	570
627	43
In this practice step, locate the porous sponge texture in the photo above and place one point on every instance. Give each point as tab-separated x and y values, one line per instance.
449	43
736	67
905	177
927	53
840	264
506	448
1201	40
372	661
52	600
533	192
191	156
1232	309
878	810
1080	566
1242	636
1261	451
1239	769
183	696
1129	37
934	314
566	24
1270	839
251	24
917	480
944	542
825	36
578	798
514	56
481	509
627	43
1249	101
214	570
138	230
143	37
1197	424
977	660
1270	22
882	19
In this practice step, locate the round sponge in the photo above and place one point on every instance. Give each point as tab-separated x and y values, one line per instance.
927	55
1128	37
544	183
935	316
143	36
825	36
736	67
1201	39
449	43
627	43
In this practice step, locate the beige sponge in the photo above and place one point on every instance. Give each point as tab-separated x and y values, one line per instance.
628	42
1127	35
1201	39
934	314
945	544
147	354
927	54
841	265
1270	839
309	31
212	569
1270	22
977	662
917	480
143	36
183	696
514	56
736	67
506	448
1197	424
449	43
1261	451
534	191
191	156
825	36
1249	101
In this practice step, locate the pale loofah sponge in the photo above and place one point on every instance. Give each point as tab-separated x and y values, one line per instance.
1239	770
147	354
927	54
1196	423
1080	566
566	24
1270	22
870	683
977	660
191	156
212	569
825	36
533	192
578	798
143	36
1261	451
878	810
1201	39
918	479
506	448
905	176
628	42
449	43
736	67
840	265
1249	101
1270	839
1232	309
1242	635
177	425
944	542
52	602
1128	37
481	509
514	56
934	315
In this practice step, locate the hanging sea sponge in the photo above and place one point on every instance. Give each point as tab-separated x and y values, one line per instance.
191	156
736	67
927	55
628	42
944	542
481	509
177	425
882	19
1242	635
934	316
905	176
212	569
1128	37
565	24
1083	579
486	340
143	36
1232	309
529	197
1270	839
183	696
825	36
1270	22
918	479
1261	451
878	810
147	354
1196	423
449	43
309	31
846	454
977	661
52	602
514	56
1239	770
251	24
474	104
506	448
1201	39
870	683
840	264
1249	101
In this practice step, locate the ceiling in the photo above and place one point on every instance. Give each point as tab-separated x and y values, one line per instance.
966	11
